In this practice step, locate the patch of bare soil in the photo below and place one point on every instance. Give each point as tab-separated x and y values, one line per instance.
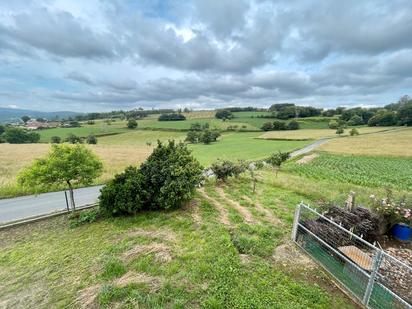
161	234
197	218
133	277
288	254
245	258
161	252
223	213
307	159
268	214
247	216
87	297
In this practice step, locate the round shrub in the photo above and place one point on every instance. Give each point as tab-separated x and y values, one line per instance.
171	175
125	194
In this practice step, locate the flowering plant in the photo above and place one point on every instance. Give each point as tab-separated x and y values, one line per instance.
393	211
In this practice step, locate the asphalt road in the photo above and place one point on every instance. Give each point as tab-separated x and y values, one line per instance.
34	205
309	147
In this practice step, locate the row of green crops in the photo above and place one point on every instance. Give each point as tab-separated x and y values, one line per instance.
391	172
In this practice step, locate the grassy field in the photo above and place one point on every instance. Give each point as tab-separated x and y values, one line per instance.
119	151
391	172
228	248
246	121
312	134
234	146
391	143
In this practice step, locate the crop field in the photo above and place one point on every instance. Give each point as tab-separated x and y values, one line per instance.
391	143
391	172
312	134
228	248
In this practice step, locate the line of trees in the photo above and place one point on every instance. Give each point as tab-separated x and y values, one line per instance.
279	125
171	117
15	135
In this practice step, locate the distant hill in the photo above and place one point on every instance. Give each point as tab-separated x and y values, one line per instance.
13	114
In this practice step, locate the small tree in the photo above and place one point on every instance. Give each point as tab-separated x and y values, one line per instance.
333	124
224	114
208	137
91	139
354	132
73	139
20	136
267	126
340	131
279	125
277	159
55	139
25	118
293	125
132	123
64	165
192	137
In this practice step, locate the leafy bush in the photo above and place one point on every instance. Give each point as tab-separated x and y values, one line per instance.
166	180
354	132
224	114
225	169
192	137
208	137
267	126
125	194
392	211
83	217
277	159
333	124
279	125
132	123
171	174
55	139
355	120
91	139
73	139
383	118
171	117
340	131
20	136
293	125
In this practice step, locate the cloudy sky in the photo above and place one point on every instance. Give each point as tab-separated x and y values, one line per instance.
102	55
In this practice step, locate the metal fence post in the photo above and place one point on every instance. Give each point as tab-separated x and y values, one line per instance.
67	201
375	268
296	222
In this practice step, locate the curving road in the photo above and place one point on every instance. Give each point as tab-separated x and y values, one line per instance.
309	147
19	208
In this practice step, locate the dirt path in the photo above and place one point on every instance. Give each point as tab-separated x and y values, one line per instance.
197	218
223	213
268	214
247	216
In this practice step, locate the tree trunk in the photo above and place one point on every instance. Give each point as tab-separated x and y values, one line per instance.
71	193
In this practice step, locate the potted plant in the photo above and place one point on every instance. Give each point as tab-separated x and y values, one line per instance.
397	215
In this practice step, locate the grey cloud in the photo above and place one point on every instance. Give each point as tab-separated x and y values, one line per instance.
80	77
58	33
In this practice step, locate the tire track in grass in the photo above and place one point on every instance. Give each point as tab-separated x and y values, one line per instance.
268	214
247	216
223	213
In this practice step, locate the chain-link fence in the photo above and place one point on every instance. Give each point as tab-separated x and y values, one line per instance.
375	278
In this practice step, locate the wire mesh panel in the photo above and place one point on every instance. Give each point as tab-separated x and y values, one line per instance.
375	278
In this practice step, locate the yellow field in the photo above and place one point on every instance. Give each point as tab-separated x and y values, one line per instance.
306	134
391	143
115	158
